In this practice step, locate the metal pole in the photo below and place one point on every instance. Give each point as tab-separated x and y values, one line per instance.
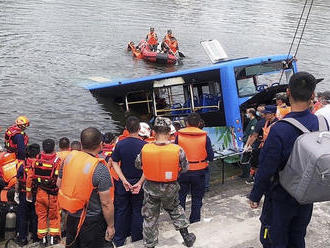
154	102
192	98
126	103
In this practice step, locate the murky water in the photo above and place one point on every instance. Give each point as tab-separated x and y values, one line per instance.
48	48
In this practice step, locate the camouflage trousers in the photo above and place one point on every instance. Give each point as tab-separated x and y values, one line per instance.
155	196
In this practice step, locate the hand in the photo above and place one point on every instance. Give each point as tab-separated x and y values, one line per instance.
109	233
254	205
28	197
16	198
136	188
127	186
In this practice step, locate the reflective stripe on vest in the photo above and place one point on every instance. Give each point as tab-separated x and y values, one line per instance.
8	166
3	195
77	185
266	130
9	135
160	163
193	142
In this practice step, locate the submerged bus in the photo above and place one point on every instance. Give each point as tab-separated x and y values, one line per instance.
219	93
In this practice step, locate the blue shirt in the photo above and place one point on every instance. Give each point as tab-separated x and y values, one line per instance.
126	152
275	154
18	139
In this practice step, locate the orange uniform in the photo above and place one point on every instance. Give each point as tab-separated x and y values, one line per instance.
9	135
8	168
45	175
160	163
172	43
152	38
266	130
193	142
282	111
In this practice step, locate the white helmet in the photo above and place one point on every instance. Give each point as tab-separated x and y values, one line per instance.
173	130
145	130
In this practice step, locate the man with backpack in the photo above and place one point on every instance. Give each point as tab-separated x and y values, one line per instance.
288	219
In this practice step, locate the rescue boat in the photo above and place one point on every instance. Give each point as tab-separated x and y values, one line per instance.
143	51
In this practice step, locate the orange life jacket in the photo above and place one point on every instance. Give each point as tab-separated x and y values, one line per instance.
46	169
3	195
107	150
27	166
193	142
160	163
63	154
266	130
318	105
152	39
172	43
8	168
9	135
124	135
282	111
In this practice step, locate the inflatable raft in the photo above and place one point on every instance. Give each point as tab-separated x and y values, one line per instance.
143	51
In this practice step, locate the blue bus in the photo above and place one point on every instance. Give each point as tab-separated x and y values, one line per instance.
220	93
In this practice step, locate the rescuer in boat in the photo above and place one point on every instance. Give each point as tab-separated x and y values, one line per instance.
27	219
170	43
198	148
84	182
162	162
128	192
152	39
45	173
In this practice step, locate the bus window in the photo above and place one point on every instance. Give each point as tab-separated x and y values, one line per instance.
256	78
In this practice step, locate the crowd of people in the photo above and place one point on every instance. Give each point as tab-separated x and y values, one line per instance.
105	188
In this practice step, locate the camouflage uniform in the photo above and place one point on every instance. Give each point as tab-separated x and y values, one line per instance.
165	194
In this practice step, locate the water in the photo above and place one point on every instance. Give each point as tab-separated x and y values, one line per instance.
47	48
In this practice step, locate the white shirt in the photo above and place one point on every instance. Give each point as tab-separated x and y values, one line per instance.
325	111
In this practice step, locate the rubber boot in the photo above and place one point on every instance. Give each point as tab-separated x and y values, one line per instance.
189	238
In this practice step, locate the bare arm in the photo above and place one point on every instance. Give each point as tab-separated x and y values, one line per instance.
252	138
108	213
120	174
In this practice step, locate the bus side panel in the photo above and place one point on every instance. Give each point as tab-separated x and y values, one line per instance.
231	104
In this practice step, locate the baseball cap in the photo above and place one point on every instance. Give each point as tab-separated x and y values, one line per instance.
269	109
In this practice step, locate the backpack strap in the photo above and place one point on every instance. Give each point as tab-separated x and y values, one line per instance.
297	124
322	123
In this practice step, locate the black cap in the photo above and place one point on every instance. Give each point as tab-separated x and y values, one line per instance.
303	79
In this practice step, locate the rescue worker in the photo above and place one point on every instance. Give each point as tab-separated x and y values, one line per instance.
319	102
84	183
64	145
75	145
170	44
45	175
162	162
282	108
259	136
152	39
198	148
145	131
288	219
27	219
124	135
16	139
248	131
128	193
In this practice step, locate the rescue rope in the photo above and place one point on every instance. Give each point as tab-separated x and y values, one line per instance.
296	32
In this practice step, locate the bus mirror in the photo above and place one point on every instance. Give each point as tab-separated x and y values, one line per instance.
214	50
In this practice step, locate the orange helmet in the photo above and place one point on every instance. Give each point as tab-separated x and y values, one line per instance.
22	121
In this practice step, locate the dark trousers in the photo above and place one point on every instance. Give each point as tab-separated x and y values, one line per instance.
3	211
27	219
194	182
128	217
289	224
91	234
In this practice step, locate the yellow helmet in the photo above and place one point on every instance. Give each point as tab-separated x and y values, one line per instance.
22	121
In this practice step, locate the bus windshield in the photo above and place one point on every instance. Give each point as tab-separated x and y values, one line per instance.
253	79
